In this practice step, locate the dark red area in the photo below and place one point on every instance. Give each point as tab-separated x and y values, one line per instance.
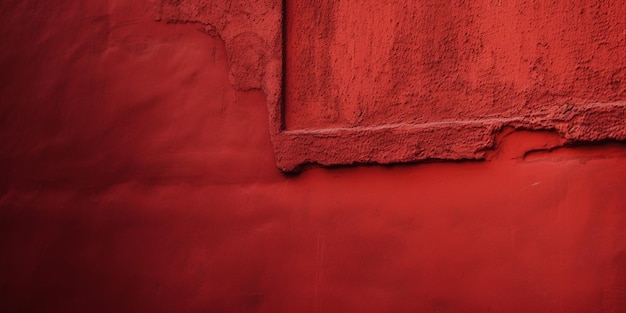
134	178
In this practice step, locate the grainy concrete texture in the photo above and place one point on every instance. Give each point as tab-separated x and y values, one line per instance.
138	167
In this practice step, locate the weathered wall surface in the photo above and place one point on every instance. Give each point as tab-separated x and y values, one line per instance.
134	177
399	81
366	63
395	81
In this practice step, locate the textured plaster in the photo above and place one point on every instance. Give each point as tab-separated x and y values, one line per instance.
135	178
387	82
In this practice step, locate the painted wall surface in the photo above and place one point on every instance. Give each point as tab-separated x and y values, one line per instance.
364	63
134	177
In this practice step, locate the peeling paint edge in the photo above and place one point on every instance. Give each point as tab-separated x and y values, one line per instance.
454	140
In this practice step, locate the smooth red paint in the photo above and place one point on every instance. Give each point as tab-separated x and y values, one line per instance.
135	178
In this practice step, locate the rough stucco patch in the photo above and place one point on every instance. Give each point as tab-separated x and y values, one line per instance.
455	140
251	31
386	82
367	63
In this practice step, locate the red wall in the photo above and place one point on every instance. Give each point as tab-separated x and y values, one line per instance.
364	63
134	178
